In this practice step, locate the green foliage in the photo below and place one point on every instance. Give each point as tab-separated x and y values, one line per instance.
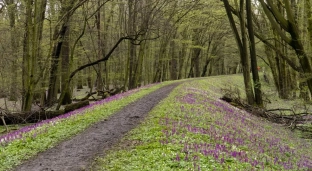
48	136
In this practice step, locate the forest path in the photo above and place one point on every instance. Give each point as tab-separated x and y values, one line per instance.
77	153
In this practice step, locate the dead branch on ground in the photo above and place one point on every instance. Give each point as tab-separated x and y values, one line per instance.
295	120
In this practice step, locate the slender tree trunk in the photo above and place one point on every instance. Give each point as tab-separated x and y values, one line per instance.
182	56
173	61
308	9
207	60
99	80
14	44
244	56
196	55
132	48
26	58
273	66
242	46
253	56
290	26
205	68
139	69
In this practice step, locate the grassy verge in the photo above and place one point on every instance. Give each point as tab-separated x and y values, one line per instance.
193	130
28	141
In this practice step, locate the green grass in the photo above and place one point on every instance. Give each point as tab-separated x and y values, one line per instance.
50	134
193	130
189	130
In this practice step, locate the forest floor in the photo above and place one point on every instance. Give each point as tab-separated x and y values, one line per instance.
78	152
131	138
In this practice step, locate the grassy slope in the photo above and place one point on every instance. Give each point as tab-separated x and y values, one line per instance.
28	141
193	130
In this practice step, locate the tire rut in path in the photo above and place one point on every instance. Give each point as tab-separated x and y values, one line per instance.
78	152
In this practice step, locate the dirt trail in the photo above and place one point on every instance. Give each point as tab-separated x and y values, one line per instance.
77	153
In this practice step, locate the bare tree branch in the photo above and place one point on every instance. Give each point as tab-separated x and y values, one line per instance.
105	58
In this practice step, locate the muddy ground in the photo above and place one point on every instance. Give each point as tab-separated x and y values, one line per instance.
77	153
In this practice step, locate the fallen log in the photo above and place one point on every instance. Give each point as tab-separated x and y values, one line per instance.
36	116
74	106
30	117
292	120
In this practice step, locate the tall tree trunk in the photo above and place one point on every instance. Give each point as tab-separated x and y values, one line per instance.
244	56
289	25
14	44
196	55
132	48
242	46
139	66
58	38
52	89
207	60
173	61
253	56
99	80
273	66
65	69
31	49
182	54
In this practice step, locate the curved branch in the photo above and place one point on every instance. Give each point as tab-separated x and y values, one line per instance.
278	16
105	58
273	20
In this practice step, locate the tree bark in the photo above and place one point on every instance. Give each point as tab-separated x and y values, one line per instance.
289	25
99	80
67	10
65	69
31	50
105	58
253	56
242	46
14	44
52	90
132	48
173	62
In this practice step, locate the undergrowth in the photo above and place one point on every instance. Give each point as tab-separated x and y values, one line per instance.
193	130
28	141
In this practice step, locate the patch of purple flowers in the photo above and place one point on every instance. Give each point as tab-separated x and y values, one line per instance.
228	133
6	138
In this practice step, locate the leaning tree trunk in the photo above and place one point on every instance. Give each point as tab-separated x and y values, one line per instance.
289	25
242	46
253	57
